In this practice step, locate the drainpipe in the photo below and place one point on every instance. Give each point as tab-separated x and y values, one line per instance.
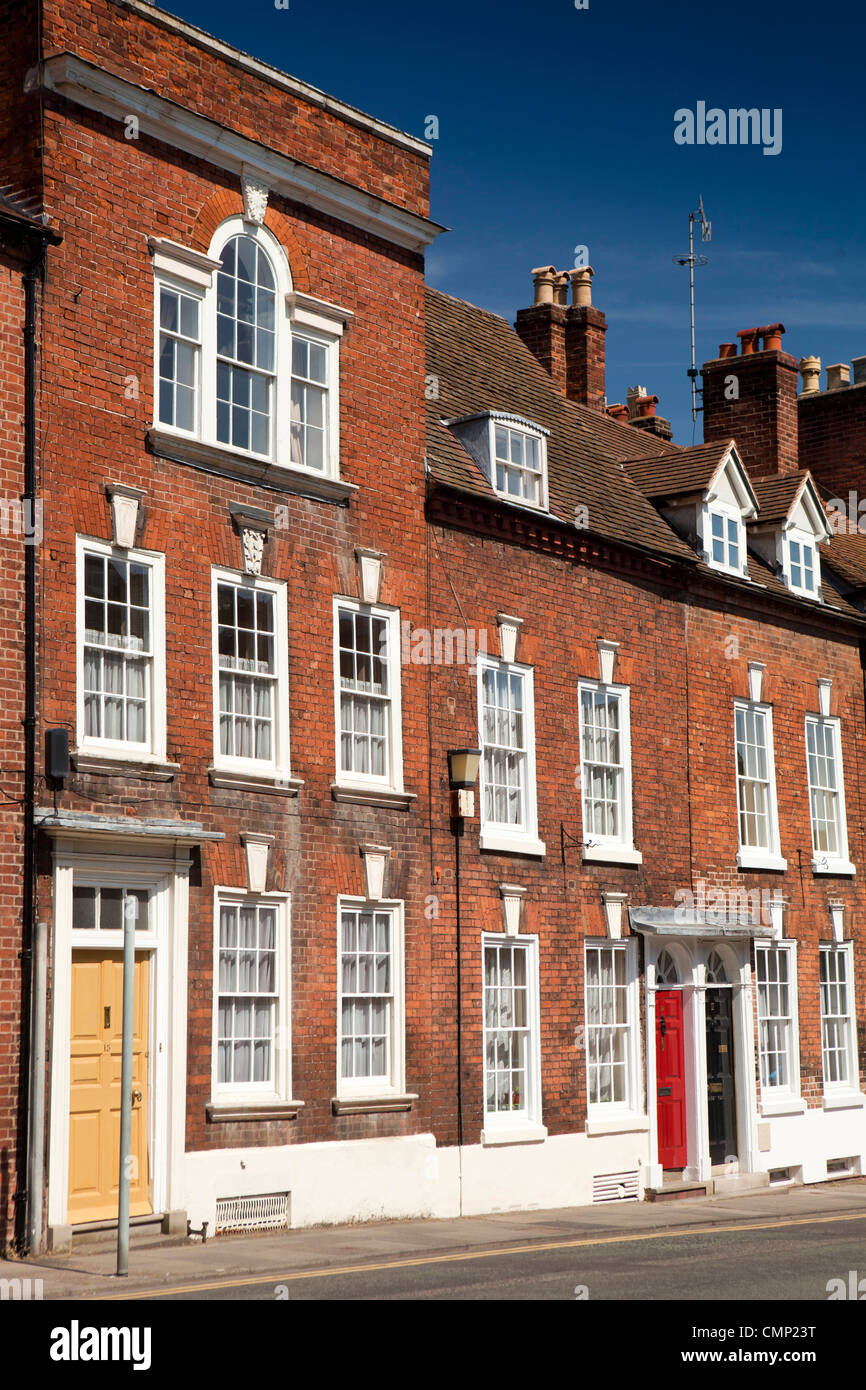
28	1216
36	1138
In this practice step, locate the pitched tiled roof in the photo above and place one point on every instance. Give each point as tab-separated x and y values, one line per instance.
686	470
481	364
847	554
776	494
22	209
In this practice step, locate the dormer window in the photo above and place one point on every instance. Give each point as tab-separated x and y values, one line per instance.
511	453
519	465
803	562
726	540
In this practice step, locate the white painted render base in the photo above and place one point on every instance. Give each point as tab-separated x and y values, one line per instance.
809	1140
400	1178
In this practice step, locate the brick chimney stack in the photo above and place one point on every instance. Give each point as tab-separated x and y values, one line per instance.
752	397
833	426
568	341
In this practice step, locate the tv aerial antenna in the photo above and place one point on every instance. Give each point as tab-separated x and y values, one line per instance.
691	260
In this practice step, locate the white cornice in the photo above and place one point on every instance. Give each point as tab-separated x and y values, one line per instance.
279	79
101	91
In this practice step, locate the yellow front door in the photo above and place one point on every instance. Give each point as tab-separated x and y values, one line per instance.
94	1089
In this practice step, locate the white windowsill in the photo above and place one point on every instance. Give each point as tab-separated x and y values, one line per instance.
760	859
520	1134
611	854
833	866
789	1105
227	1111
618	1124
368	794
512	844
114	760
380	1104
844	1100
281	784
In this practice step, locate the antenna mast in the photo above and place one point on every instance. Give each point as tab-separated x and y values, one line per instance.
691	260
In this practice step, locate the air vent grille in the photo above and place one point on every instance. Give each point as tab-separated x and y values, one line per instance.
615	1187
267	1212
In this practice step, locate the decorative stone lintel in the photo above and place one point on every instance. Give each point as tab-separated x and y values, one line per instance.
255	195
825	685
375	857
512	901
182	262
606	659
613	904
258	848
125	503
309	312
509	629
756	681
371	564
837	916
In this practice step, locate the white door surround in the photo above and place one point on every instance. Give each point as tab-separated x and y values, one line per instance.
165	872
690	954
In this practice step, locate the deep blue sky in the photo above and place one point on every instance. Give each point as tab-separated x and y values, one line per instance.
556	129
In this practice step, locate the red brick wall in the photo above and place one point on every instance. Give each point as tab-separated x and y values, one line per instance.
685	664
11	730
145	50
108	194
763	416
833	440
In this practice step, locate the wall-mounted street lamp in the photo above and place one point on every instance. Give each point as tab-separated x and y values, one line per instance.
462	773
462	776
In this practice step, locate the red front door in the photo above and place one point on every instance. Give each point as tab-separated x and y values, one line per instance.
670	1081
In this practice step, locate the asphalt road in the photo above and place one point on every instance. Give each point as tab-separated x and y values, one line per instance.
785	1260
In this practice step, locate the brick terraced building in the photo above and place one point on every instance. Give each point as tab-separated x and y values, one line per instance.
271	598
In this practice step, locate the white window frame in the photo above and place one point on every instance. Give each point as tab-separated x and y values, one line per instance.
781	1099
254	1093
823	863
840	1091
394	1084
524	429
494	835
750	856
165	280
727	512
278	767
802	538
154	748
610	849
631	1107
523	1125
195	275
393	781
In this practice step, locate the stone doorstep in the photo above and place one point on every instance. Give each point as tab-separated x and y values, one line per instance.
723	1185
168	1228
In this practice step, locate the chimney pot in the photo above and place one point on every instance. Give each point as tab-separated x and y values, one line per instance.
727	349
772	336
838	375
618	412
810	371
747	337
859	366
581	285
647	405
543	279
560	287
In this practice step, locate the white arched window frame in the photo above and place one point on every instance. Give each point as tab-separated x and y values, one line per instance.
303	379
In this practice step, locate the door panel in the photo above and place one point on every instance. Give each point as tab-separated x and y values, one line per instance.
94	1086
670	1079
721	1092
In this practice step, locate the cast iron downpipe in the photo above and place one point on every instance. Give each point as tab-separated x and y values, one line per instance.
37	244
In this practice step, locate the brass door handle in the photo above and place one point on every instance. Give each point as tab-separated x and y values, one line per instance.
136	1096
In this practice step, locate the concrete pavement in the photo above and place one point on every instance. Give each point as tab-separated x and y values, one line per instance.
182	1270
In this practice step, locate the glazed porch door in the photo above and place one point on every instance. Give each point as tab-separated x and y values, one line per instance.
721	1095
